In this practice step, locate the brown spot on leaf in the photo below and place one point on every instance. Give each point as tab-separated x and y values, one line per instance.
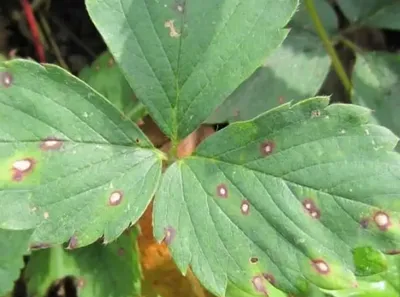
253	260
382	220
115	198
270	278
73	243
222	191
267	148
39	246
180	7
51	144
6	79
170	234
393	252
21	168
311	208
172	30
315	113
364	223
259	285
281	100
245	207
320	266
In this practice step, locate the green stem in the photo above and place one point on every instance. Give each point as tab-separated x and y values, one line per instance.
351	45
138	112
336	63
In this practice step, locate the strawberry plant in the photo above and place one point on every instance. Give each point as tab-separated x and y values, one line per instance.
294	196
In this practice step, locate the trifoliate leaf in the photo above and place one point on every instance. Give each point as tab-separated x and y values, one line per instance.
183	58
374	13
376	79
105	76
13	245
294	71
283	199
70	164
99	270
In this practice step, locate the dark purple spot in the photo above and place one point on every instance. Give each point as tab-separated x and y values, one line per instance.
115	198
51	144
267	148
310	207
6	79
245	207
222	191
21	168
259	285
121	252
320	266
270	278
39	246
170	234
137	140
253	260
73	243
364	223
382	220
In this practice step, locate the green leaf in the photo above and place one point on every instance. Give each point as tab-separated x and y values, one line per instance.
302	19
13	245
112	270
287	195
183	58
369	261
375	13
294	71
385	284
71	166
375	80
106	77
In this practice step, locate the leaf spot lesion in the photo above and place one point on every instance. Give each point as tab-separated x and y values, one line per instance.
222	191
115	198
21	168
170	24
51	144
382	220
245	207
267	147
259	285
169	235
310	207
320	266
6	79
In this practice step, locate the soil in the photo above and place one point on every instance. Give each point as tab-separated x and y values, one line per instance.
79	43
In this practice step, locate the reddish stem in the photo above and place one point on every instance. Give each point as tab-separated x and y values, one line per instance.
30	17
